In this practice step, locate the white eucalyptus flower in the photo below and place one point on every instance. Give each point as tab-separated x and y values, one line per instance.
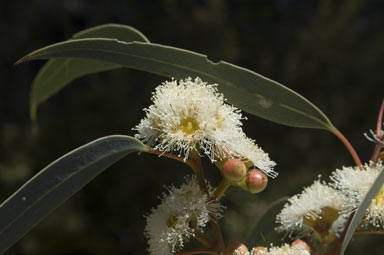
355	183
192	116
188	116
181	212
317	209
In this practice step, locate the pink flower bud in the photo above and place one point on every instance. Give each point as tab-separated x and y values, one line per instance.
256	181
237	249
300	243
259	250
234	170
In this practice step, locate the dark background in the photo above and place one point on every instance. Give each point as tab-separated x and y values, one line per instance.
332	52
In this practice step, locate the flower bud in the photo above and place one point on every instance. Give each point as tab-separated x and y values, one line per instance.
256	181
259	250
234	170
237	248
300	243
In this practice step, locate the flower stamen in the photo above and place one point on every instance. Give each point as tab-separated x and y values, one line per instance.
379	198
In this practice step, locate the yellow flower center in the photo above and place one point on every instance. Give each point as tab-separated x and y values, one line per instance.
189	126
379	198
323	223
171	221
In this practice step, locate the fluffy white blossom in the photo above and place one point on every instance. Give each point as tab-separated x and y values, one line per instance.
191	115
181	212
247	150
188	114
355	183
283	250
314	204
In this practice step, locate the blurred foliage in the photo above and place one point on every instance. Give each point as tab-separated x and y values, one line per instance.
329	51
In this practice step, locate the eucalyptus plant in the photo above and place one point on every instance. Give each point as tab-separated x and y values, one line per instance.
196	113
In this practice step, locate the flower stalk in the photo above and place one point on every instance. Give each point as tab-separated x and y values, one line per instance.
220	190
202	239
199	171
379	134
370	232
349	146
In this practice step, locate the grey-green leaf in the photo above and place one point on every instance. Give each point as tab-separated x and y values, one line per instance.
245	89
264	233
361	211
57	73
57	182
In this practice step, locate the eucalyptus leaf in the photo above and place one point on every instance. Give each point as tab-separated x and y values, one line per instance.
57	73
264	233
245	89
361	211
53	185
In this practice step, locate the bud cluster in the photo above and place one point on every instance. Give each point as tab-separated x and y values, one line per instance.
236	172
298	247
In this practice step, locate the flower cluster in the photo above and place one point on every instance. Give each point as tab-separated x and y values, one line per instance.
318	209
296	248
355	183
323	209
191	116
182	212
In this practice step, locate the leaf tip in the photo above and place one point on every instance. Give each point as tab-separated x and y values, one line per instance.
22	60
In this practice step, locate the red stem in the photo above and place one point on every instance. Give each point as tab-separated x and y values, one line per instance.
173	156
379	134
349	147
202	239
197	167
309	242
370	232
325	249
380	120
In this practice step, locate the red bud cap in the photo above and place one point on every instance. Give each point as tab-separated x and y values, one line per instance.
234	170
256	181
300	243
259	250
237	249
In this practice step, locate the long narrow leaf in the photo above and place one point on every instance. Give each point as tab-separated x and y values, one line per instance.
245	89
57	182
362	210
57	73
